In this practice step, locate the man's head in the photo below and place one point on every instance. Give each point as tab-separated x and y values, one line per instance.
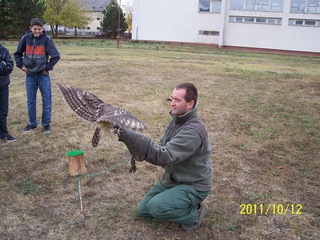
36	26
184	98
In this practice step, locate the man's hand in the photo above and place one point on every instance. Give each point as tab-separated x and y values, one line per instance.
24	69
2	68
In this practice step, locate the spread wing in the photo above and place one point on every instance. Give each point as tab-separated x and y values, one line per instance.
85	105
90	108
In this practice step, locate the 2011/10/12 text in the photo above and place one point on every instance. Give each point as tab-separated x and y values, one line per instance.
275	209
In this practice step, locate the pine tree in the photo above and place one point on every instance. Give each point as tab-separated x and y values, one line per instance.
109	23
20	13
4	23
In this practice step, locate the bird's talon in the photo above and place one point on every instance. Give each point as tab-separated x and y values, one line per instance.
133	169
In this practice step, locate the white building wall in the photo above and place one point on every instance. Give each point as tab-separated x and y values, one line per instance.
92	28
180	21
172	20
291	38
94	24
280	37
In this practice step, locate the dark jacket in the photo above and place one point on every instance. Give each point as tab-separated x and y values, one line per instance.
185	152
6	66
34	52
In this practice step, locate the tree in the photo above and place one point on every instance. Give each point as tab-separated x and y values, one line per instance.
128	10
74	16
4	18
109	24
18	14
67	13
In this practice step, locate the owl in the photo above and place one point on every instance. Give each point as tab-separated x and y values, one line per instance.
106	116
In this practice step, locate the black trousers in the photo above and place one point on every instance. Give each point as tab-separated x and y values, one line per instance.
4	107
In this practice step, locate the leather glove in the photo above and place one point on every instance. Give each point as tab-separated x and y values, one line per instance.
137	143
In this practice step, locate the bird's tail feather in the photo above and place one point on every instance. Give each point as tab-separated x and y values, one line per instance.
96	137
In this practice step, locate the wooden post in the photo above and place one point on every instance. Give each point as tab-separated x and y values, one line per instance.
76	163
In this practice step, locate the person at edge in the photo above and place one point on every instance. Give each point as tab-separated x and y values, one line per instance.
36	55
6	67
185	153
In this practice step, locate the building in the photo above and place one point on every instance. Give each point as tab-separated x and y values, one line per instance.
93	9
291	25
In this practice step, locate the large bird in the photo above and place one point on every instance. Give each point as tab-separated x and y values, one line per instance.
90	108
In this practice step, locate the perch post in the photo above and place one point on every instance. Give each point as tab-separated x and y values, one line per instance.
76	163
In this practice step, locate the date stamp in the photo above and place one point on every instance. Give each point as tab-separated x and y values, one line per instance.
272	209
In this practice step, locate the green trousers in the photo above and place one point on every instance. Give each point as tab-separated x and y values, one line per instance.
178	204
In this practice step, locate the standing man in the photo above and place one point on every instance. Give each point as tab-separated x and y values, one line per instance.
6	67
36	55
185	153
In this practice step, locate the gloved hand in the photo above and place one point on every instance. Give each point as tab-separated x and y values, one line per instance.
137	143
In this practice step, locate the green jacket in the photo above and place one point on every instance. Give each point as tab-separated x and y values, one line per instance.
185	152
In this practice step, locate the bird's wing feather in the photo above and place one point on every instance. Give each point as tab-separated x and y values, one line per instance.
96	137
91	108
123	120
86	105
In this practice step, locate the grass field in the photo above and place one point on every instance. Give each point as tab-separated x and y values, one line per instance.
261	112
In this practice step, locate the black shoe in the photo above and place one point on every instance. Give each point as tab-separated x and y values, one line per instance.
28	128
47	129
9	139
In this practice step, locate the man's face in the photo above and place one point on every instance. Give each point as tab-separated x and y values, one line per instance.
179	105
36	30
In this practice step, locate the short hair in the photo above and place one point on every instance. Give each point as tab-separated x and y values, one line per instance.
36	21
191	92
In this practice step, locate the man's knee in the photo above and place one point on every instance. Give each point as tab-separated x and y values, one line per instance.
157	208
142	210
139	210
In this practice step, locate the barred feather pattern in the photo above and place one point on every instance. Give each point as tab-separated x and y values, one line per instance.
96	137
89	107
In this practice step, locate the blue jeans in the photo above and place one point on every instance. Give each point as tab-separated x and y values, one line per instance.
33	82
178	204
4	103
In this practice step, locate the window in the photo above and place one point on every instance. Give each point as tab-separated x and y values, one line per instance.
257	20
208	33
213	6
259	5
305	6
276	5
256	5
204	6
249	19
271	21
310	22
261	20
304	22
